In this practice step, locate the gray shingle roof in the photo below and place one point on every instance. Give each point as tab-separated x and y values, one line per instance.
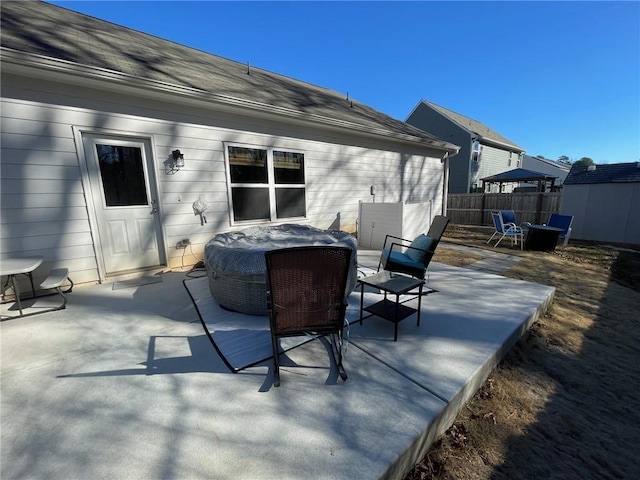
474	126
554	163
38	28
605	173
518	175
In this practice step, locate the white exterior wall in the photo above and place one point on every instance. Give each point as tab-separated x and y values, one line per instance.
605	212
46	209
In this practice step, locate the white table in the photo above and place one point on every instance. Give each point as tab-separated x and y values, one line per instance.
10	267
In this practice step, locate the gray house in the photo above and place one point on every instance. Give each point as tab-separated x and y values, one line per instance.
483	151
118	145
605	202
550	167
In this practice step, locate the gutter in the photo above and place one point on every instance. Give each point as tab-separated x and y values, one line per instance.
20	59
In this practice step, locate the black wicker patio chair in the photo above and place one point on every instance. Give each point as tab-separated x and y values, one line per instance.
306	295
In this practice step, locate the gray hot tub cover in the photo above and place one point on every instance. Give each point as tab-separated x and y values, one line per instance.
236	267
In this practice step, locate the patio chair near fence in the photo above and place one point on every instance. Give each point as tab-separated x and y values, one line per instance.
564	222
306	290
511	231
509	217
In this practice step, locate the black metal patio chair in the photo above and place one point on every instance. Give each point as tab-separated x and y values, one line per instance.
412	257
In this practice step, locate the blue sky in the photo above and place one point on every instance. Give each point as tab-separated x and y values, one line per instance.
557	78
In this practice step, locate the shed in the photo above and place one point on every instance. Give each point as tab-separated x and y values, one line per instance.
518	175
122	151
605	202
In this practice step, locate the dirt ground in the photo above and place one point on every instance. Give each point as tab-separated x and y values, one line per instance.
565	401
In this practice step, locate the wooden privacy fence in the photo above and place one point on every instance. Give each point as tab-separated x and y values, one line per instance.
476	208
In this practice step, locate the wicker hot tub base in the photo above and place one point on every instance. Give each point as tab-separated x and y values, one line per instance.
236	267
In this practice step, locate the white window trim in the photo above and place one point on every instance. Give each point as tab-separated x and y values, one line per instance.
271	185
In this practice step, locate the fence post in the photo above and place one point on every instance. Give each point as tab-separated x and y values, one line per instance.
539	207
482	209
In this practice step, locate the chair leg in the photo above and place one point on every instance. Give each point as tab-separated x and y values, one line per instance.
64	299
70	288
491	237
336	350
276	361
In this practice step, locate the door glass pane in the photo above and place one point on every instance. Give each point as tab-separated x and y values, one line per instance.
122	175
250	203
289	167
290	202
248	165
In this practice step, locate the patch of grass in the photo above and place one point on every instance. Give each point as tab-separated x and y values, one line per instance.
455	258
563	403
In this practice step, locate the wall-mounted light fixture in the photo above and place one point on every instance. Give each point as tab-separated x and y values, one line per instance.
178	159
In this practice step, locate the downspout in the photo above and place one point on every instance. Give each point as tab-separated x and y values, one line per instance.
445	183
470	175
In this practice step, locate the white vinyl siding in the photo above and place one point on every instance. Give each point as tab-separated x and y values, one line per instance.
493	160
44	199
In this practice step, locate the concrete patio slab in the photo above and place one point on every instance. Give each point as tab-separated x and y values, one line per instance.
125	384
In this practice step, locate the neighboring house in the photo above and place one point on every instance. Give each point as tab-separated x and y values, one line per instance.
483	151
604	201
550	167
118	145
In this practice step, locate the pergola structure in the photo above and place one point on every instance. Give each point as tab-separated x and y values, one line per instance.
521	175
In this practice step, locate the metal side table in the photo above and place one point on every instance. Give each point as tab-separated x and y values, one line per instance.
394	284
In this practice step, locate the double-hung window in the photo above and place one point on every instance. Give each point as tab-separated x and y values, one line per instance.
477	149
266	184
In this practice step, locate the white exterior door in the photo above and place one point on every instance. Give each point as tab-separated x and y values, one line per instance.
125	202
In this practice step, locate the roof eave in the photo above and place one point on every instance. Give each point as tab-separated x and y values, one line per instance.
22	59
475	135
511	146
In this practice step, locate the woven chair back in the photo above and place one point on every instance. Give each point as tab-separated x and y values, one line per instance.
307	289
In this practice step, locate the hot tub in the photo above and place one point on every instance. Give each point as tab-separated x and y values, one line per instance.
236	266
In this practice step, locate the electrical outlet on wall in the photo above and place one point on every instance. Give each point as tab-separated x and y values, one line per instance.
183	243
